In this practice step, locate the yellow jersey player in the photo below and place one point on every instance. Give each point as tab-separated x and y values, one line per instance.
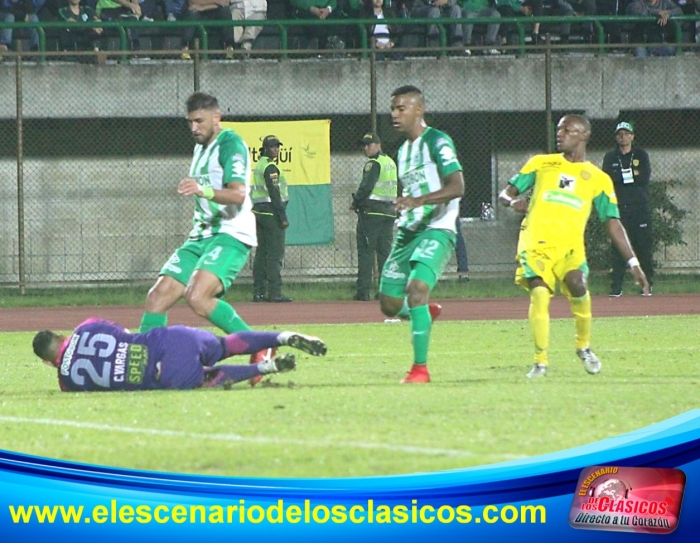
551	247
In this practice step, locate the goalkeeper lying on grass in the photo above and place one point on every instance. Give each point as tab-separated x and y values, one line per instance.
101	355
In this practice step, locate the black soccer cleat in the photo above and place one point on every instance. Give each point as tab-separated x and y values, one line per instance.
308	344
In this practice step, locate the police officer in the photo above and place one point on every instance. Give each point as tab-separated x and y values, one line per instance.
270	198
374	204
630	170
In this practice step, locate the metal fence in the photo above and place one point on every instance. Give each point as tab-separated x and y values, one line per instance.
90	155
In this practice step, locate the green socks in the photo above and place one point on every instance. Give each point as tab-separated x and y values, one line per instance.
420	330
149	321
226	318
223	316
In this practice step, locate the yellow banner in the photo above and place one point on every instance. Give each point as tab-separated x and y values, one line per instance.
305	147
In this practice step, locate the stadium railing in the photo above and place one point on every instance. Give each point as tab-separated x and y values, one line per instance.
363	50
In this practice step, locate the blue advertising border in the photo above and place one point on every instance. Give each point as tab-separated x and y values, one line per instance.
549	480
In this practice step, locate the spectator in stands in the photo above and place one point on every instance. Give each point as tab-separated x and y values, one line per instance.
18	11
247	10
481	8
383	36
77	37
327	36
538	8
690	28
210	10
617	31
446	9
47	10
115	10
514	8
655	32
174	9
354	9
127	10
555	8
569	8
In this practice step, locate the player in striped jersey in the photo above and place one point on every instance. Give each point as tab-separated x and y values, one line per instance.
432	181
223	230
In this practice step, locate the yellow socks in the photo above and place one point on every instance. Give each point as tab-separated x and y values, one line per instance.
538	316
581	309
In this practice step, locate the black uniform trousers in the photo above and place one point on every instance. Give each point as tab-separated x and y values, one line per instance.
375	234
637	223
267	264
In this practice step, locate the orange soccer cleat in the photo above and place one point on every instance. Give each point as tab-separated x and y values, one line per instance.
418	374
261	356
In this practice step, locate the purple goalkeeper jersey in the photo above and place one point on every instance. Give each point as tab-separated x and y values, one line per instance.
101	355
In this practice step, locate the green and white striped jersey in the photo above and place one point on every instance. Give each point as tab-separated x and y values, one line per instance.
224	161
423	164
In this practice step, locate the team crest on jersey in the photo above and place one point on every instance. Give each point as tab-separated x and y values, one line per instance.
585	175
567	182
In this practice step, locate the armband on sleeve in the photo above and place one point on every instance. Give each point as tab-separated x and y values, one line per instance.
207	193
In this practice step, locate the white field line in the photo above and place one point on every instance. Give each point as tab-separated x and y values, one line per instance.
407	449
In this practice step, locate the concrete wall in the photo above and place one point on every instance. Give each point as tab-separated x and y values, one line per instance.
600	85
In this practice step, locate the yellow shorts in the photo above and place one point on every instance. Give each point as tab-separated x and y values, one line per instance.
551	264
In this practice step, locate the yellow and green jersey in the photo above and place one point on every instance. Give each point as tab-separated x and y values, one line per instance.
563	194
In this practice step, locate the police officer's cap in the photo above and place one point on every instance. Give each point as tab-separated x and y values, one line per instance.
270	141
370	137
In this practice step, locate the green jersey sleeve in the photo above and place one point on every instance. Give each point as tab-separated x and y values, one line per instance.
443	152
525	178
234	159
606	202
523	181
605	208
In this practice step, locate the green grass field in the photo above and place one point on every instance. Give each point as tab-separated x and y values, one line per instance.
346	414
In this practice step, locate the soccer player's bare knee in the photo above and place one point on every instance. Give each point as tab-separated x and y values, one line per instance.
200	300
535	282
390	306
163	294
576	283
418	293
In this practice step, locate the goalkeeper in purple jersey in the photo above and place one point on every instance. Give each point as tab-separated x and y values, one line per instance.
101	355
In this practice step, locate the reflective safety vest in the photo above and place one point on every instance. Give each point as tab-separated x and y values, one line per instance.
259	192
385	188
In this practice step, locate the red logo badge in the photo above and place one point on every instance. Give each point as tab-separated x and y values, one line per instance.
622	499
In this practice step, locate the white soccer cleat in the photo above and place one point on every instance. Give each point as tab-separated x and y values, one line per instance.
537	371
590	361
